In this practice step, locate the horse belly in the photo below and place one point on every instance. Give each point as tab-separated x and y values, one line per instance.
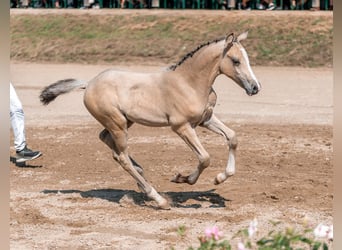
146	109
148	117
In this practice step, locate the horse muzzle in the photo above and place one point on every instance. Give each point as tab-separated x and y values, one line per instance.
253	90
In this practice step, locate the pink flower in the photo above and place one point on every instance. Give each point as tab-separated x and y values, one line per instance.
213	233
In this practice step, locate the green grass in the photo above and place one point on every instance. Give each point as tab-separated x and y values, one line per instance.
285	41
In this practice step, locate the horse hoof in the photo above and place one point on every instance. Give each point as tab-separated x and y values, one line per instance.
220	178
164	205
175	179
179	178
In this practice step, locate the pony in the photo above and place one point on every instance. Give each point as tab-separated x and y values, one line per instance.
181	97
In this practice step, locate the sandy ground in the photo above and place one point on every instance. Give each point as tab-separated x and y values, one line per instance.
76	197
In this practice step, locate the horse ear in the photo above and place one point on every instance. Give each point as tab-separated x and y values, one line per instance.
229	38
228	42
242	36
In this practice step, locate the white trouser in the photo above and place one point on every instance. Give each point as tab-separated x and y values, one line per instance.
17	120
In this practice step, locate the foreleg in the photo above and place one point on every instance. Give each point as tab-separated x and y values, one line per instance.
215	125
188	134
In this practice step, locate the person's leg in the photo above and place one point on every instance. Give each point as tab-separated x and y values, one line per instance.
17	120
245	4
270	4
23	153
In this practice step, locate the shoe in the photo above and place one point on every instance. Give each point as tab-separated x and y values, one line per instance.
271	6
27	154
260	7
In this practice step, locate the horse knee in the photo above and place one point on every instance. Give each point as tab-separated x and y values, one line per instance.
204	160
233	142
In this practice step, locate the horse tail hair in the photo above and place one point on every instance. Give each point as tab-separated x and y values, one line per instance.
50	92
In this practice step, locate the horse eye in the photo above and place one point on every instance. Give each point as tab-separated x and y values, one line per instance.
236	62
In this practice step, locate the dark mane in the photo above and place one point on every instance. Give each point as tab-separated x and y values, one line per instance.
190	54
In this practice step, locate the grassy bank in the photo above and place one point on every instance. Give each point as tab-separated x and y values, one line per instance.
276	39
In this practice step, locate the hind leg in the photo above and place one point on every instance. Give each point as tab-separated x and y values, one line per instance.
117	125
120	138
108	140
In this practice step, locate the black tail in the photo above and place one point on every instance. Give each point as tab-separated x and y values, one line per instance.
50	92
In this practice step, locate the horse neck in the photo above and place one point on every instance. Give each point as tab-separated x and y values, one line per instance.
203	67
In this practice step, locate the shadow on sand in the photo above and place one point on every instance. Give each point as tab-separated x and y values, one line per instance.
176	199
22	164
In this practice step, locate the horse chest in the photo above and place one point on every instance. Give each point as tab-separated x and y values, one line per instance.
188	110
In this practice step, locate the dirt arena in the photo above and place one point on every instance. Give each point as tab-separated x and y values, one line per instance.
76	197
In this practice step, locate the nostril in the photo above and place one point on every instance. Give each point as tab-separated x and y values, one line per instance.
255	89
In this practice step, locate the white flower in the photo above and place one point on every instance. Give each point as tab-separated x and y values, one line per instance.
252	227
323	231
241	246
331	232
